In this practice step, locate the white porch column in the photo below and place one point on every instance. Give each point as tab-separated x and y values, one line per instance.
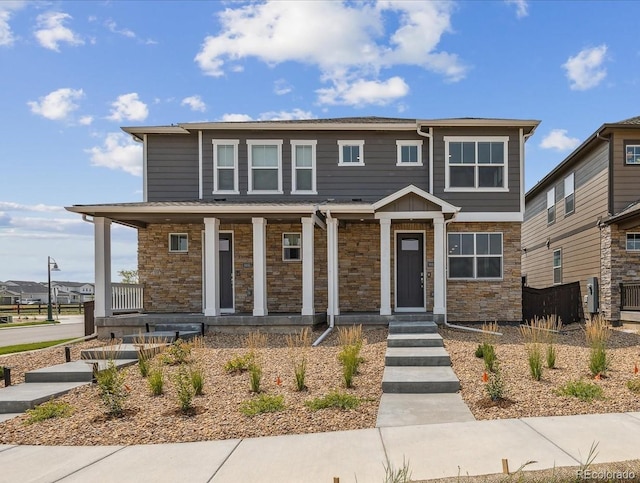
259	266
439	264
385	266
307	266
102	236
332	267
211	267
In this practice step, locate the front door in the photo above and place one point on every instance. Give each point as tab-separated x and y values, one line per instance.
410	271
226	272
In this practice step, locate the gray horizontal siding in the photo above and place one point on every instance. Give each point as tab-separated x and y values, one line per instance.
172	167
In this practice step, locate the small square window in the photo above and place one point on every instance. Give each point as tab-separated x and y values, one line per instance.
178	242
350	153
409	153
632	154
633	242
291	247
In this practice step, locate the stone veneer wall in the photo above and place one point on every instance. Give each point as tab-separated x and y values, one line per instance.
359	267
428	246
172	281
284	279
481	301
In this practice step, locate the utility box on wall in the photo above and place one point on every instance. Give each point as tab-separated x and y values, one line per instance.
592	296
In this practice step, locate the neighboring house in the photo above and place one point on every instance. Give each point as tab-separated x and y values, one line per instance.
27	291
354	219
8	295
73	292
582	221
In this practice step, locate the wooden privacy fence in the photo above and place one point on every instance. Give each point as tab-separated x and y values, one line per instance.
564	301
630	296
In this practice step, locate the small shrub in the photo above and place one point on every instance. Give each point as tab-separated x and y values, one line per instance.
495	385
48	410
551	356
255	376
156	381
489	356
264	403
633	385
480	351
112	389
334	399
184	389
197	380
534	356
298	352
598	362
256	340
179	352
585	391
350	339
397	475
143	364
597	334
239	363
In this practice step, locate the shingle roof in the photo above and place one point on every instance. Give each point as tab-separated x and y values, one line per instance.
631	120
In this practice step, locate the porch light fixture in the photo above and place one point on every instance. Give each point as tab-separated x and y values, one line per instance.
52	266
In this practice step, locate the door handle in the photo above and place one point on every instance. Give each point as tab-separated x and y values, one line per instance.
421	279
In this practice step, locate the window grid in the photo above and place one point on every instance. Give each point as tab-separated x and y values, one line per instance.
569	195
633	242
225	166
632	154
409	153
265	158
291	247
557	267
351	153
551	206
473	256
476	163
303	167
178	242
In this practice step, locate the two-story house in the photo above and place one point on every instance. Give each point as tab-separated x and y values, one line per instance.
72	292
582	221
352	219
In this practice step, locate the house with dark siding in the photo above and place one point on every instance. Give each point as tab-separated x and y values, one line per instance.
582	222
282	223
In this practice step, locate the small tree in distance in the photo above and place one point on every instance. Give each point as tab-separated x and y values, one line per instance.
128	276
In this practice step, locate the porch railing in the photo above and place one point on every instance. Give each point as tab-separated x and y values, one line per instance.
630	296
126	297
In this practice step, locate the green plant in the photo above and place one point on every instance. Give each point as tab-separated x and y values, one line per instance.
553	325
255	376
179	352
184	389
197	379
264	403
597	334
551	356
156	381
585	391
112	389
489	356
495	385
397	475
480	351
48	410
534	355
334	399
143	364
298	351
350	339
633	385
239	363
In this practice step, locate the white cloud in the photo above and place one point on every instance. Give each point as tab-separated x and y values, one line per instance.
118	151
281	87
195	103
363	92
236	118
558	140
522	7
286	115
128	107
6	10
86	120
58	104
52	31
348	42
113	27
11	206
585	70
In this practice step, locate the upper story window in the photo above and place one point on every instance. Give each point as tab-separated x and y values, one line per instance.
632	155
569	195
476	163
265	166
557	266
551	206
291	247
178	242
475	255
409	153
225	166
351	153
303	167
633	242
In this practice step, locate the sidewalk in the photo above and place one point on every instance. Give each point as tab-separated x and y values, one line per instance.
433	451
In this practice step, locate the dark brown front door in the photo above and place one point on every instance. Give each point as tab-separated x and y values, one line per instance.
410	271
226	270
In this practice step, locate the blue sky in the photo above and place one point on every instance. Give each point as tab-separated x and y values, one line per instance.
74	72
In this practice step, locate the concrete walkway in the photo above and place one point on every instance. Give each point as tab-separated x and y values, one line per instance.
433	451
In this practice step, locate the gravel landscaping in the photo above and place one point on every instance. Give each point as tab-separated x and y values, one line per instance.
216	414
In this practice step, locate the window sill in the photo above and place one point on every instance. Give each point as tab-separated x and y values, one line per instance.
476	190
179	251
409	164
475	279
225	192
351	164
304	192
263	192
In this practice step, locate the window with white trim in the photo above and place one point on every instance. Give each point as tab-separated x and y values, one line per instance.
178	242
557	266
475	255
265	166
303	167
291	247
569	195
409	153
476	163
632	154
551	206
633	242
225	166
351	153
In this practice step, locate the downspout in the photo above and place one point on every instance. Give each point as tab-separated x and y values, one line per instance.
331	285
430	137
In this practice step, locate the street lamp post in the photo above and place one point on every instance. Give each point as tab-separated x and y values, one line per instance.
52	266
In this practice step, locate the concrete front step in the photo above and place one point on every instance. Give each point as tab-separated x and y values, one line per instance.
414	340
160	336
419	380
413	327
19	398
417	356
77	371
417	409
120	351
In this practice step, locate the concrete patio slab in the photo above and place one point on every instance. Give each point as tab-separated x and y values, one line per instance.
19	398
76	371
46	464
473	448
193	462
418	409
310	458
576	434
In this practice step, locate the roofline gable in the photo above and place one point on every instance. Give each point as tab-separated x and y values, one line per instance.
412	189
